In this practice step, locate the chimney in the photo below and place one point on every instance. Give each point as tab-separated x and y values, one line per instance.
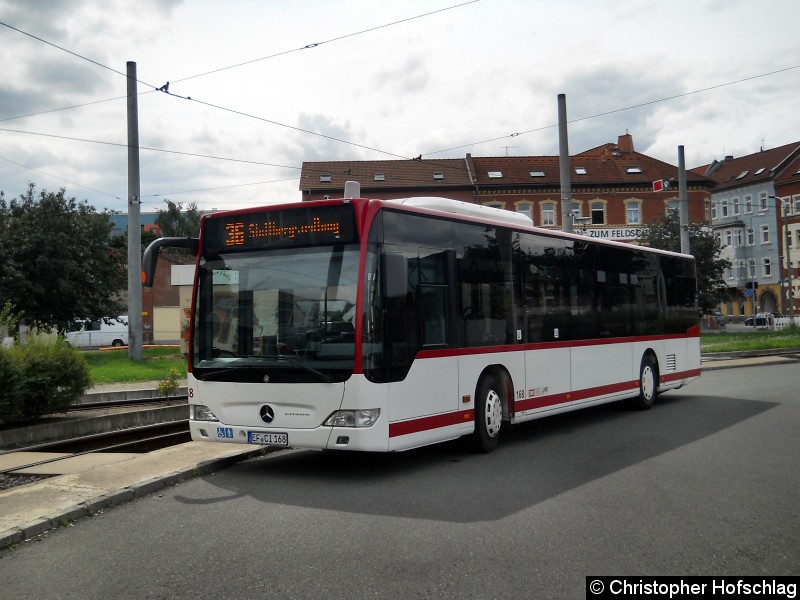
625	142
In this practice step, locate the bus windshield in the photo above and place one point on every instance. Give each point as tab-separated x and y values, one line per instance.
279	315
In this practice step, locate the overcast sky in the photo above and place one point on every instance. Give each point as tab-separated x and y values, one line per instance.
716	76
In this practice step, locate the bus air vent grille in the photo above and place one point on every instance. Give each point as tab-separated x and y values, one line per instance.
671	362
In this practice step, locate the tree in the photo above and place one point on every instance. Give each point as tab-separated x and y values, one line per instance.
704	246
57	264
173	222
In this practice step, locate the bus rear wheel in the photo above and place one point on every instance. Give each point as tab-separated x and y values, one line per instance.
648	384
488	414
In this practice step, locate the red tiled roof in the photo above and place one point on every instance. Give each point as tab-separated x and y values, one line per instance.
601	168
609	164
753	168
434	173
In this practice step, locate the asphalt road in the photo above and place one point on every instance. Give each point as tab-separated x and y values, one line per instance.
707	482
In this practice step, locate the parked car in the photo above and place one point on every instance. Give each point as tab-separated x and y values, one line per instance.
761	319
96	334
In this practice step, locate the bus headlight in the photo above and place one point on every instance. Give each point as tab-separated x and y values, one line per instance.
198	412
354	418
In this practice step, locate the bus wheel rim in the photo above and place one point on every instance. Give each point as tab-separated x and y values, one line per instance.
648	382
493	413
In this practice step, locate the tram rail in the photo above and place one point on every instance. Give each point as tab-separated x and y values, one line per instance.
134	440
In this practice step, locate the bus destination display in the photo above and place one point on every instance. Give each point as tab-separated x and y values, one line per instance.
280	229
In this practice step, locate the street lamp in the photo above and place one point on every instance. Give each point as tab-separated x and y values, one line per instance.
787	243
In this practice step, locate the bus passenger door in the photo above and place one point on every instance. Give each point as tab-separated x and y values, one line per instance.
423	401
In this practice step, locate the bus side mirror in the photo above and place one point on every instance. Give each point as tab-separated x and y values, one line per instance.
150	258
395	275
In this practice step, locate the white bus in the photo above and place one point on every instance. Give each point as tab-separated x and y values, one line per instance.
376	325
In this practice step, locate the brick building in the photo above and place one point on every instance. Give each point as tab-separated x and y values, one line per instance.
613	194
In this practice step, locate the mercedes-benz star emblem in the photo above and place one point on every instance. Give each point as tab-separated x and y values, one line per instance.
267	414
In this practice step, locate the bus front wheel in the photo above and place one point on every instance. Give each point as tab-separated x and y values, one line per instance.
488	414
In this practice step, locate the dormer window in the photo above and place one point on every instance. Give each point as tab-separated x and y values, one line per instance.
325	178
438	175
495	174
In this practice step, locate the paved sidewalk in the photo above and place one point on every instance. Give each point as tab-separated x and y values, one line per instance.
30	510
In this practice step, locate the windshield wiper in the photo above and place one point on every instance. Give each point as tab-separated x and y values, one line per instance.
300	364
325	377
224	371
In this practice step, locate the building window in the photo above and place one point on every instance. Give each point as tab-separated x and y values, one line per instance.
537	173
379	177
728	238
750	236
762	201
633	213
797	204
438	175
549	214
737	237
765	234
767	268
495	174
735	203
675	206
724	209
495	205
580	171
633	169
598	213
748	204
713	211
525	209
325	178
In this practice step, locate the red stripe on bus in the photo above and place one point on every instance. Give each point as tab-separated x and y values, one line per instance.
432	422
563	398
676	376
447	419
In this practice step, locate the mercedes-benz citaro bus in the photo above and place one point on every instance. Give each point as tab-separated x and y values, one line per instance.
385	325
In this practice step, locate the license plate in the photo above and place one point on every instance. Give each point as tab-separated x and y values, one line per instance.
269	439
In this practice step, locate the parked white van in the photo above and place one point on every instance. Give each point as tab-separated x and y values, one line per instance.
95	334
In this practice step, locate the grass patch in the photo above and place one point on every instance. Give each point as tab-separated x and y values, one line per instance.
750	341
113	366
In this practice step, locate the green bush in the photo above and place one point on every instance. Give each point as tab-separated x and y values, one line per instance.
42	376
8	382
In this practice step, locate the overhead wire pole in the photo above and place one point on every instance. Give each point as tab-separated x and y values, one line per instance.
566	178
134	220
683	202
